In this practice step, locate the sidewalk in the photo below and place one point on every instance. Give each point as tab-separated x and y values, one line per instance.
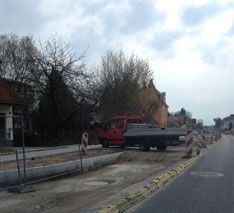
36	152
94	189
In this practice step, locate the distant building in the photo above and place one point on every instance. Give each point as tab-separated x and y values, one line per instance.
26	92
8	100
154	104
227	123
176	120
182	118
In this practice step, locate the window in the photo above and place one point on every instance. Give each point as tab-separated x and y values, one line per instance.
134	121
111	125
120	123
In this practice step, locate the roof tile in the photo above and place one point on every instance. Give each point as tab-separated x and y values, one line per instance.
8	95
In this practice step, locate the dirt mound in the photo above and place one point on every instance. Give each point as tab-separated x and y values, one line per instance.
150	157
49	160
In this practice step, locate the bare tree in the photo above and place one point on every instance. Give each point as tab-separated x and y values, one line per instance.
51	69
218	123
16	66
121	79
200	124
64	86
16	57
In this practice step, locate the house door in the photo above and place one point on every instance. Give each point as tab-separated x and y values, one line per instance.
2	126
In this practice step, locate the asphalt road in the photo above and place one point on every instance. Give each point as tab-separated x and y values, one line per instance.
206	186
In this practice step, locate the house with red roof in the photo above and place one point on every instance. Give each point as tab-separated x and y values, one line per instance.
8	99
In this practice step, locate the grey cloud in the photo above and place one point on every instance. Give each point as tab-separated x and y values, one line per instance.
110	19
231	30
165	40
213	54
143	14
195	15
208	54
93	8
84	41
22	17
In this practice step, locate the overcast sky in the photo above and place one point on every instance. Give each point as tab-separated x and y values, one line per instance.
188	43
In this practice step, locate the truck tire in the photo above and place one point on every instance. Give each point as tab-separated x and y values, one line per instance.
144	146
161	147
105	143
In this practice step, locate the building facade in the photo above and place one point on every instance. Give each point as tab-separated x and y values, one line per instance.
154	104
8	100
227	123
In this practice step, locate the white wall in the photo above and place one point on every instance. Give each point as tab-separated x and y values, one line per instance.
226	124
7	111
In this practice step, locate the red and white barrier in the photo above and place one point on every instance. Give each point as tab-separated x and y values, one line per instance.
211	139
189	144
198	147
204	140
84	143
218	135
207	140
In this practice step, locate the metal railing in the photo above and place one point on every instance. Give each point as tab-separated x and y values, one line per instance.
20	165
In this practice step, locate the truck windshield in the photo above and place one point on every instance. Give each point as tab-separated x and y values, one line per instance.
134	121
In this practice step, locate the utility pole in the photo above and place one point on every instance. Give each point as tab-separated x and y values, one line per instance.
0	65
162	116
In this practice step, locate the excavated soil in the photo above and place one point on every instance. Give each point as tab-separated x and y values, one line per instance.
80	192
44	161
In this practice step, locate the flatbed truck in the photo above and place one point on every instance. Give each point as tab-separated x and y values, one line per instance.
132	131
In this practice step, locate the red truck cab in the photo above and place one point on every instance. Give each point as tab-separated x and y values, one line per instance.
112	134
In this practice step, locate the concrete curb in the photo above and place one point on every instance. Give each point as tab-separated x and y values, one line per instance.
36	173
213	144
147	190
210	146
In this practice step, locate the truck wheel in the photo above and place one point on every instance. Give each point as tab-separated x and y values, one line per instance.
144	146
161	147
105	143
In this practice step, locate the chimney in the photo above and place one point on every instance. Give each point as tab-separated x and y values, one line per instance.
163	97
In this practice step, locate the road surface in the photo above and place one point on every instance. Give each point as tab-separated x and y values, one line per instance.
206	186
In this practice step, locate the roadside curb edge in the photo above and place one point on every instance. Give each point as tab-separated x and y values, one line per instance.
147	190
213	144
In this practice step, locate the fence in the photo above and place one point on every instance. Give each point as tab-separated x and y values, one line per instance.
9	161
49	137
21	165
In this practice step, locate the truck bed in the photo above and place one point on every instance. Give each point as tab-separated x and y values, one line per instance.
136	130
